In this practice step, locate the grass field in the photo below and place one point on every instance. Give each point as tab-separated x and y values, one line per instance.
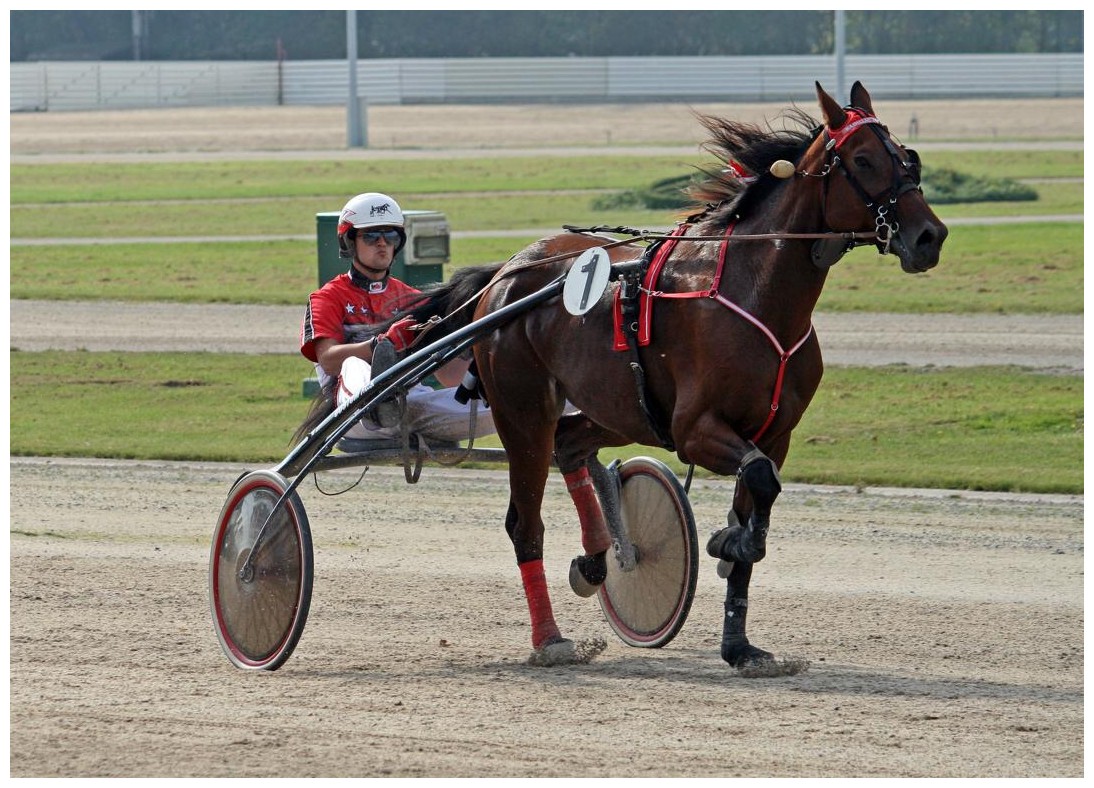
1033	267
472	211
981	428
1022	268
1000	429
222	180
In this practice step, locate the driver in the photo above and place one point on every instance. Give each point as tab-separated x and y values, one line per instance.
335	333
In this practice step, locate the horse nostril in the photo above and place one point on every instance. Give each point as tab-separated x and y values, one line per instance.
931	237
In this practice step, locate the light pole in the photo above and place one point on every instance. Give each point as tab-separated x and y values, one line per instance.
137	33
841	52
356	128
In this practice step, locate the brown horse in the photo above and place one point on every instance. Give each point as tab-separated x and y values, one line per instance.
725	360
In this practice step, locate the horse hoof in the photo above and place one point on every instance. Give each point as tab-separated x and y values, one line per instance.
567	652
579	584
737	543
588	573
717	542
740	654
724	568
754	663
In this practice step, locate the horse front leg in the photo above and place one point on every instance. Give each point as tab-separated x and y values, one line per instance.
738	547
758	485
743	542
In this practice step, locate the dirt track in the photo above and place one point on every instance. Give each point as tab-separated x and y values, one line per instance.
945	630
1045	342
414	128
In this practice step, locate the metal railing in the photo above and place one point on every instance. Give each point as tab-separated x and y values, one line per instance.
57	86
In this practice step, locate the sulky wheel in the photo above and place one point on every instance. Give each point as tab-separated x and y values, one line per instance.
648	605
260	572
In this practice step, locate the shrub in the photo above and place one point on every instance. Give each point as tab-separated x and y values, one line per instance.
940	186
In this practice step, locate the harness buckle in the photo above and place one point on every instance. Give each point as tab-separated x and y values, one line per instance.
884	231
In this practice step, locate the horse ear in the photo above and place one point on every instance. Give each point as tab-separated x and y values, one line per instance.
834	117
860	98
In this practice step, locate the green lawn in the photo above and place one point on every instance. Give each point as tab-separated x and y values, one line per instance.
984	428
991	268
996	429
53	183
488	211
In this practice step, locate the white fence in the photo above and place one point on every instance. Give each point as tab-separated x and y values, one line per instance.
125	85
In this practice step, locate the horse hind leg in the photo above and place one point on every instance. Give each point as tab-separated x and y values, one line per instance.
588	571
524	525
545	630
585	480
550	648
527	407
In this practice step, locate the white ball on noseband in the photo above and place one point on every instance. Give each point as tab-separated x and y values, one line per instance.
782	169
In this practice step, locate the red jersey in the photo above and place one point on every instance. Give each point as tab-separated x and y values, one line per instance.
341	310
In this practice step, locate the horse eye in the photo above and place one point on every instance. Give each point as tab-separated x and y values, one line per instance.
862	162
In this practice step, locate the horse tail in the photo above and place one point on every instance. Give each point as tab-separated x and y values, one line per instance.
322	405
447	306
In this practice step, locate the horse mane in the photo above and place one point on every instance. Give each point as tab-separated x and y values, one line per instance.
753	147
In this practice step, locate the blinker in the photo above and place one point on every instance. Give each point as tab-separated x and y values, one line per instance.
913	166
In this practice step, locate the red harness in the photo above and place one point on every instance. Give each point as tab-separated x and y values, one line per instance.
648	293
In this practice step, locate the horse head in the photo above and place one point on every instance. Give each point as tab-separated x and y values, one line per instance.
877	183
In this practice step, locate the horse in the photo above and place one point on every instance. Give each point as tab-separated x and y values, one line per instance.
724	361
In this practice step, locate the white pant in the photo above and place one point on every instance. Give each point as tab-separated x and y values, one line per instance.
431	413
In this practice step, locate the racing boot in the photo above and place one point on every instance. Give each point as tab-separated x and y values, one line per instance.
384	357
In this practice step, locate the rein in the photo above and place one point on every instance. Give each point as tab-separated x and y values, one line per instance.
856	119
650	235
654	235
507	271
851	238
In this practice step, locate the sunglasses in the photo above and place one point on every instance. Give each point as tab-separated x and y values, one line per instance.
372	237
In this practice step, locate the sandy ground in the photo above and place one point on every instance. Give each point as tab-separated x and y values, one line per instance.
420	127
944	633
1045	342
944	630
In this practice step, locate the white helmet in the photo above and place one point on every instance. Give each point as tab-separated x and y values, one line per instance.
371	209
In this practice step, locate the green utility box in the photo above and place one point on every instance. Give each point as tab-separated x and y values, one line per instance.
420	262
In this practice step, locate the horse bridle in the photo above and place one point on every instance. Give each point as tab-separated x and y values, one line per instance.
846	240
906	173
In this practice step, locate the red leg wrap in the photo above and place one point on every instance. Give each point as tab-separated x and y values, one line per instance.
544	627
594	529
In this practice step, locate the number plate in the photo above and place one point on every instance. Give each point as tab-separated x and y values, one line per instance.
586	281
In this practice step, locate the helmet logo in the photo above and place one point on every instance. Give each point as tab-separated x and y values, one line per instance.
380	210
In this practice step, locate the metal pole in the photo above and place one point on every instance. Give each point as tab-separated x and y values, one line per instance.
136	20
841	52
354	138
